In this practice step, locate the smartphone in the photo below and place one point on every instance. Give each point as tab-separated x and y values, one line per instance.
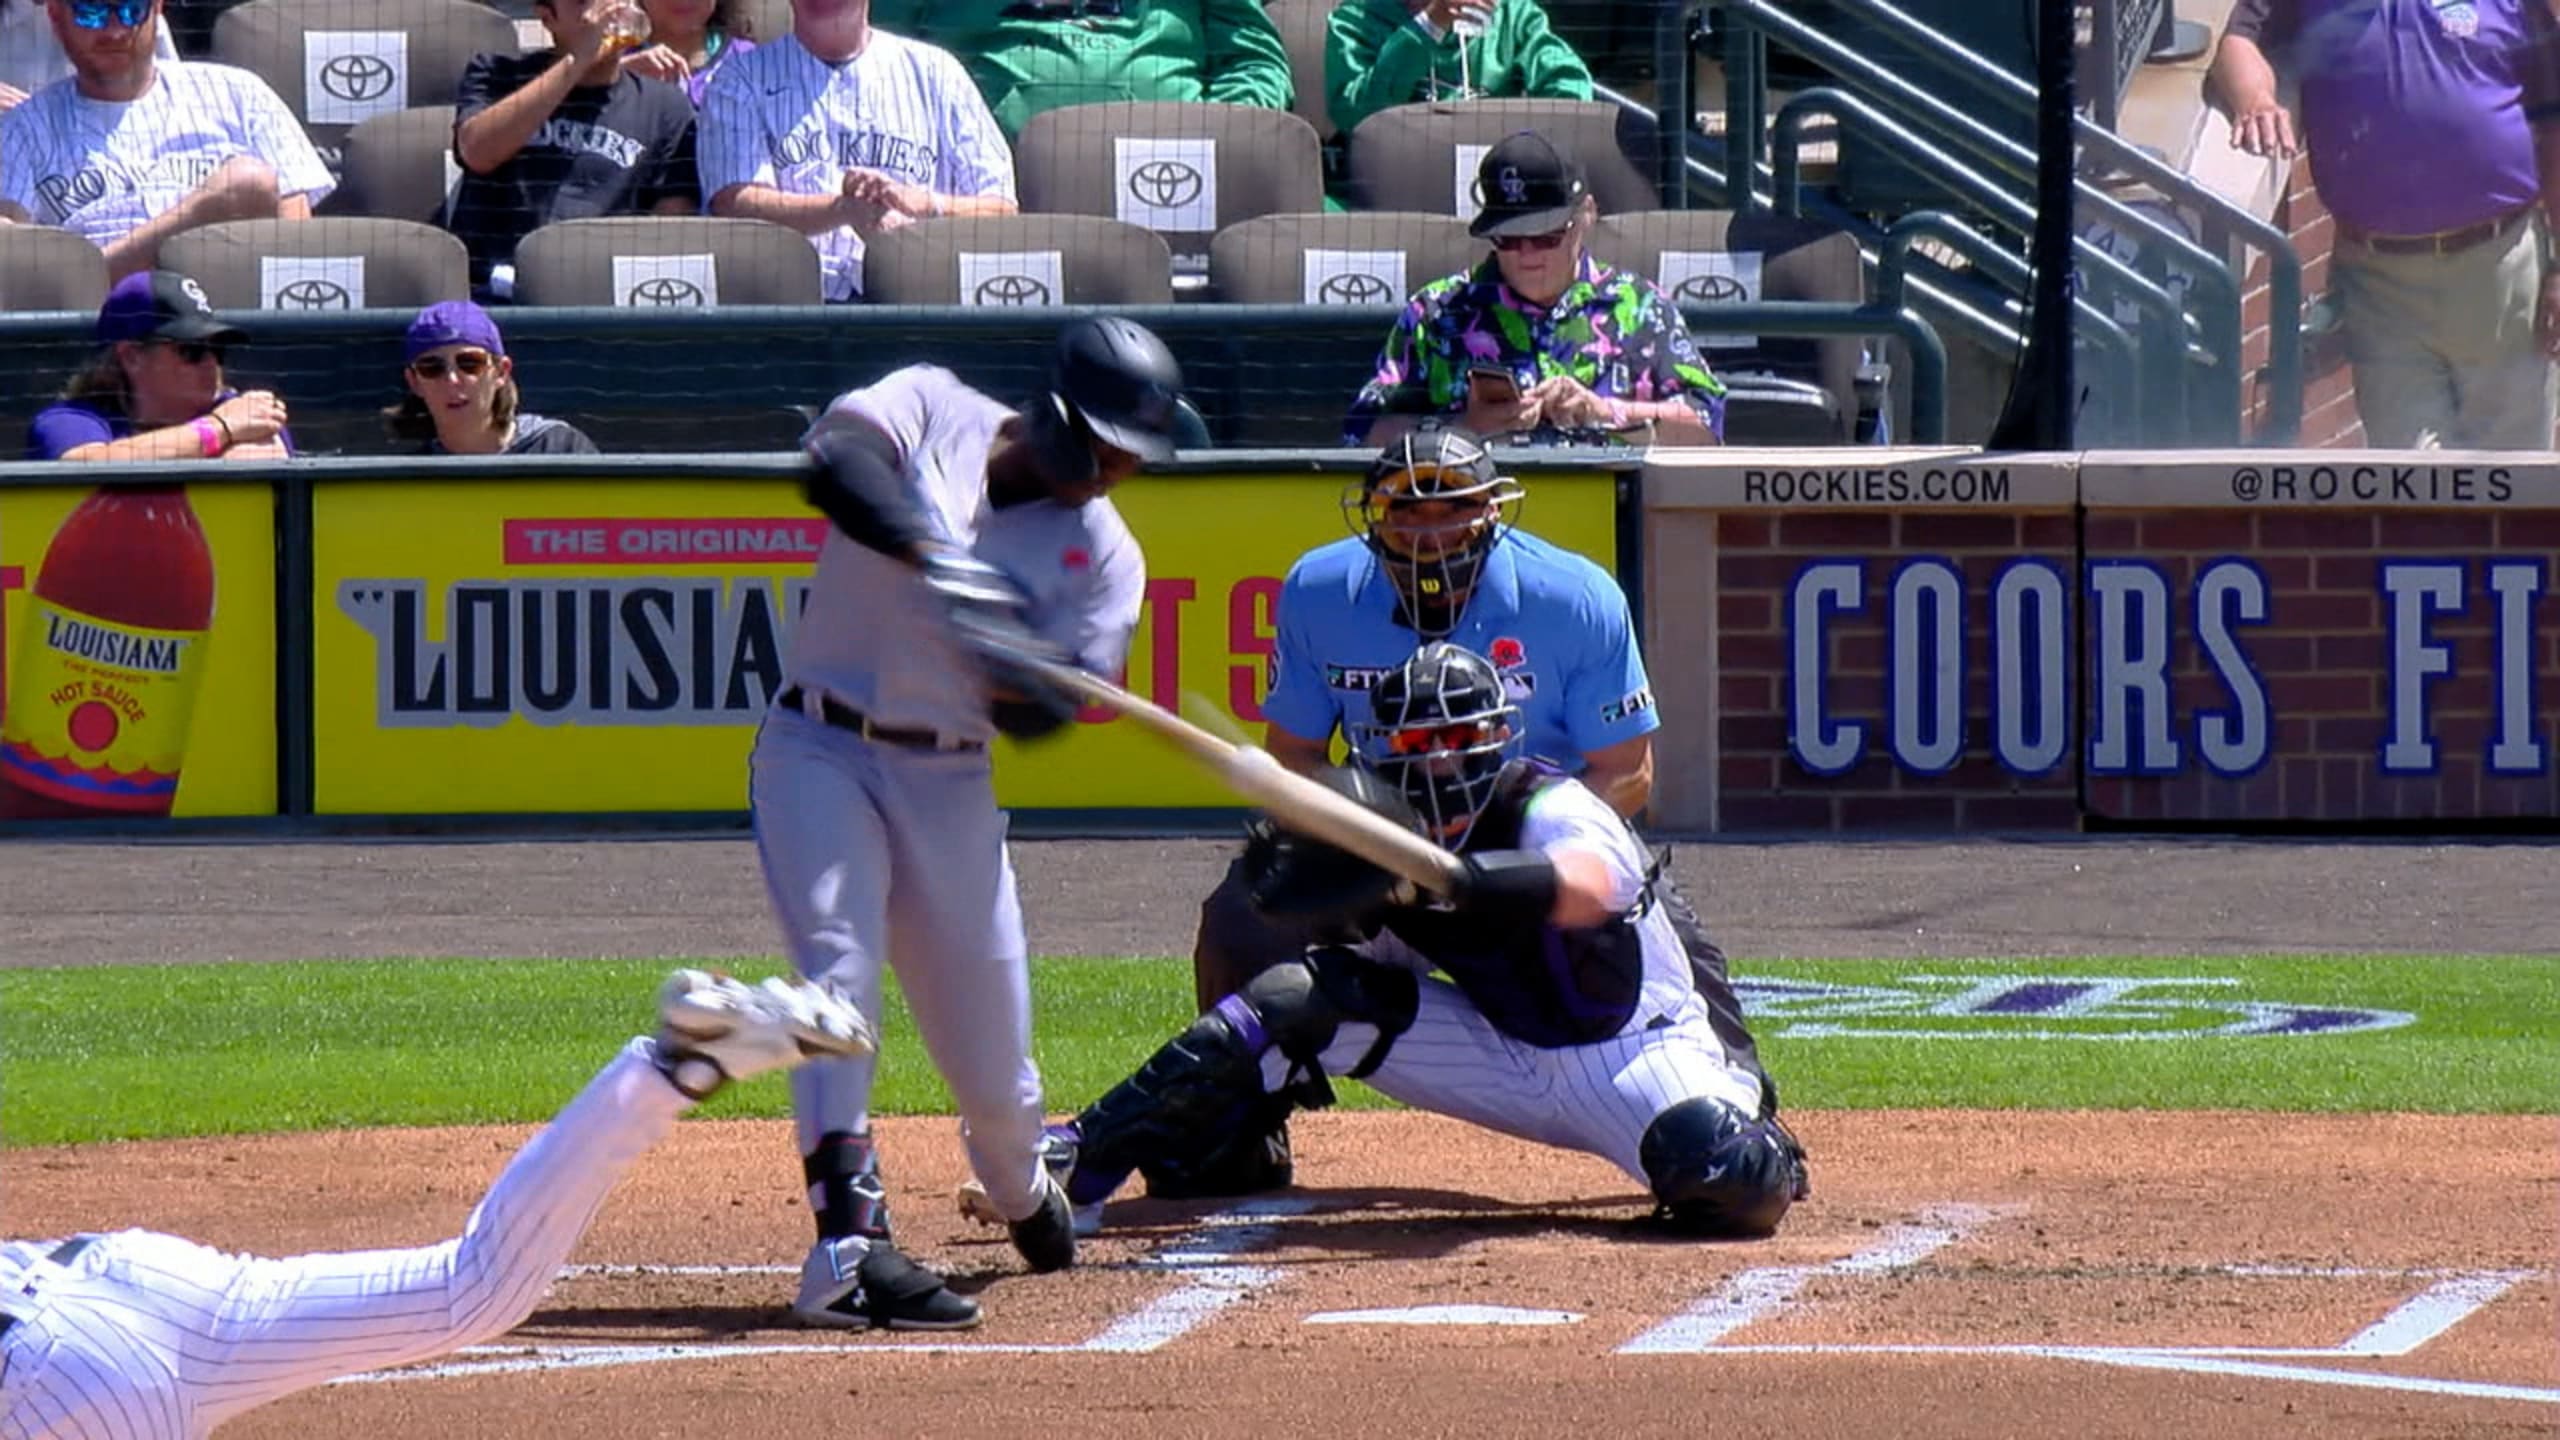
1492	385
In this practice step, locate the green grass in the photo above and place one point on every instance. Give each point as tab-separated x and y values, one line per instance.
144	1051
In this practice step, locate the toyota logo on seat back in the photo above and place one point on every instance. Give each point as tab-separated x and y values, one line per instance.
1165	184
1711	287
1354	287
665	290
357	78
312	295
1011	290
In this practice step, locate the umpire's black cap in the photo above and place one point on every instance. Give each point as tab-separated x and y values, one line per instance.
1122	382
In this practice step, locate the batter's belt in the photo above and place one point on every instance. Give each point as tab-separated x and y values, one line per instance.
828	710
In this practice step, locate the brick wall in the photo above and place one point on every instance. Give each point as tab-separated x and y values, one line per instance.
2328	401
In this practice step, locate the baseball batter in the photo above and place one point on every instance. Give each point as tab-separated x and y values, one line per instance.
872	793
137	1335
1563	1010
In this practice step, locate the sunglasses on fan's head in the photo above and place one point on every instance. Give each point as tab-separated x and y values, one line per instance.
1532	244
469	364
98	14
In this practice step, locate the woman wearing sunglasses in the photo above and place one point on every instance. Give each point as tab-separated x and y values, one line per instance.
1541	340
462	396
156	389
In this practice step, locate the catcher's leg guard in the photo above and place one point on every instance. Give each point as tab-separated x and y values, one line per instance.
1719	1173
1205	1086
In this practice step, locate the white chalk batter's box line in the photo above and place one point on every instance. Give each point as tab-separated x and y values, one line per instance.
1210	1261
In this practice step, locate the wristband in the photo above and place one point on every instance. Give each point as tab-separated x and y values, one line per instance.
208	435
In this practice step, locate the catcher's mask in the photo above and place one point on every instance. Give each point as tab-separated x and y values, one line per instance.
1440	732
1432	508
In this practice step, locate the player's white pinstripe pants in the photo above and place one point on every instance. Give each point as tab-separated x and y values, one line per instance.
146	1336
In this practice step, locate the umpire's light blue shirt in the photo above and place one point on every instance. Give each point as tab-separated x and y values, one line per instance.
1555	624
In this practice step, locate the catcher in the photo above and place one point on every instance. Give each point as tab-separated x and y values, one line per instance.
1563	1009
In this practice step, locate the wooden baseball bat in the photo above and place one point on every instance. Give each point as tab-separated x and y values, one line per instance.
1293	800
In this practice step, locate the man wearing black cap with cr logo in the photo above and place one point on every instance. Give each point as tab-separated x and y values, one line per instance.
1585	352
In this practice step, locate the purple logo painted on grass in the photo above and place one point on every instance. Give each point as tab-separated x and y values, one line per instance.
2041	1007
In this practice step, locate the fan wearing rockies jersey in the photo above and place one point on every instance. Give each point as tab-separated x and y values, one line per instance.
840	131
130	149
1561	1010
1434	555
137	1335
955	519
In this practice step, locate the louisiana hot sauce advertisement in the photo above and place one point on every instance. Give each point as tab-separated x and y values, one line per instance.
140	656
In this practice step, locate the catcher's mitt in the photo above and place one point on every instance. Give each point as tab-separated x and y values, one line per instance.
1296	877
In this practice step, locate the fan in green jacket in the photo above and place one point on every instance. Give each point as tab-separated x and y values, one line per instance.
1383	53
1033	55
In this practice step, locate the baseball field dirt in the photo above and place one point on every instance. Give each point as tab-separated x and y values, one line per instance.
1971	1273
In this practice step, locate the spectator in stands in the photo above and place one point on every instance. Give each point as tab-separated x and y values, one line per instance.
565	134
129	150
1033	55
689	40
1541	340
840	131
462	396
156	389
1383	53
31	58
2434	131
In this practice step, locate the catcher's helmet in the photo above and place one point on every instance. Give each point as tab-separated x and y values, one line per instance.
1432	508
1440	731
1111	380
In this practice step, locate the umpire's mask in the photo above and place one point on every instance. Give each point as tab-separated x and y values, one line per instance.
1440	731
1432	509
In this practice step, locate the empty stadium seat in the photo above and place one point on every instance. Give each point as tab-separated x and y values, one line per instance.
331	263
1706	256
1183	170
1302	25
667	261
336	63
1424	156
398	166
1368	258
1019	260
42	268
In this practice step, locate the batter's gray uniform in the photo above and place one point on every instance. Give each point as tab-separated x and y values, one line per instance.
887	846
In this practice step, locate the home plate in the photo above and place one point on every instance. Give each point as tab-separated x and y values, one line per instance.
1446	1315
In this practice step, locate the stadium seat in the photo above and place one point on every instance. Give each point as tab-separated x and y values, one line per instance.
1019	260
1183	170
1302	25
398	166
42	268
1424	156
1706	256
338	62
667	261
761	20
325	263
1373	257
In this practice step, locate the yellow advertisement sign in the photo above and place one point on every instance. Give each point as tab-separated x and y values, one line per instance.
604	645
137	651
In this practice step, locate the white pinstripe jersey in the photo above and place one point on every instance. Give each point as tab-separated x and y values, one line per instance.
100	168
782	117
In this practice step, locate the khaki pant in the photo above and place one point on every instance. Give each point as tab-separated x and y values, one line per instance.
2443	345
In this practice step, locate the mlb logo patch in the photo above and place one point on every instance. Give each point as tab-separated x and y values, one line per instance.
2460	18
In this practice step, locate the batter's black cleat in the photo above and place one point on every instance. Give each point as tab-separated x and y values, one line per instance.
868	1284
1047	1240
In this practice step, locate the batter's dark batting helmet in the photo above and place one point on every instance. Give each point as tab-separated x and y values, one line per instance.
1440	731
1111	380
1432	508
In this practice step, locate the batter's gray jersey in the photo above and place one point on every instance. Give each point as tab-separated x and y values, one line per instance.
874	636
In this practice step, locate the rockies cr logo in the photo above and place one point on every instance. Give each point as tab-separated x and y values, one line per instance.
312	295
357	78
1710	287
1165	184
666	290
1011	290
1354	287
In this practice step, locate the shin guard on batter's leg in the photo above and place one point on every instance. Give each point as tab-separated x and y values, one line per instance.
845	1192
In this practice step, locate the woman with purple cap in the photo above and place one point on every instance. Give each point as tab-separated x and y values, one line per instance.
462	396
155	390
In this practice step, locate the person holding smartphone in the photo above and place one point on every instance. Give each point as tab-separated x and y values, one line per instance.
1541	341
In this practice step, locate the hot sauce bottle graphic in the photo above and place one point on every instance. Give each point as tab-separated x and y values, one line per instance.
110	654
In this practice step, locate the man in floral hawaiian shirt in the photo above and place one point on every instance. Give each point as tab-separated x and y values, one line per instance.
1541	341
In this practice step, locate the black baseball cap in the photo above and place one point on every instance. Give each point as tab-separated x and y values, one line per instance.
162	305
1528	187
